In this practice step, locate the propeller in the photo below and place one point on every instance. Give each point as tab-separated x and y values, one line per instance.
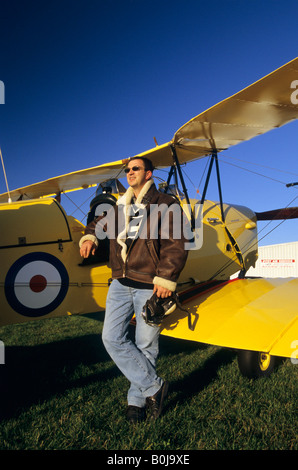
278	214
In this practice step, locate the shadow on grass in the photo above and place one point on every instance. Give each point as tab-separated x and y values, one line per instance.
170	345
33	374
199	379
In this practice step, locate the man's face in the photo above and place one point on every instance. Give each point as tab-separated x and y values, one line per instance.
139	176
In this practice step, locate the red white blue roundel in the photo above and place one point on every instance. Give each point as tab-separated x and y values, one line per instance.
36	284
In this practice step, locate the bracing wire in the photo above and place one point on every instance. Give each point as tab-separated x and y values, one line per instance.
260	165
254	172
4	172
255	242
79	207
252	243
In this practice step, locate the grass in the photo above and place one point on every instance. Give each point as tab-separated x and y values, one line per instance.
60	390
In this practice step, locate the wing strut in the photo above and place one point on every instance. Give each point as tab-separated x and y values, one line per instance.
214	155
176	167
214	158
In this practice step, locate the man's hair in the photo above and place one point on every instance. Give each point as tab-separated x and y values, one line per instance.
147	163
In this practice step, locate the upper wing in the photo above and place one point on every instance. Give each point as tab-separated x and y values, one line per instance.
83	179
69	182
251	314
255	110
262	106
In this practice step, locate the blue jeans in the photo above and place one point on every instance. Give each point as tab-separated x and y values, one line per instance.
135	360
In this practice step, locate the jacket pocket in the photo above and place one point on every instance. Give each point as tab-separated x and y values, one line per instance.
115	257
152	251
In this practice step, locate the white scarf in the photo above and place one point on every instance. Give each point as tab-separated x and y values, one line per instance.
125	201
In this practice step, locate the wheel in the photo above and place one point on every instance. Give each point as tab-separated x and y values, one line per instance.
255	364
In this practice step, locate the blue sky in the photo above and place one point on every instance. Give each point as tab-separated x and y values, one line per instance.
91	81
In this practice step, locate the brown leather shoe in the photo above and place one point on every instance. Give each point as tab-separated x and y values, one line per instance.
135	414
155	404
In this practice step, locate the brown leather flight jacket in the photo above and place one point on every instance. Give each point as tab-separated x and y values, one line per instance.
157	255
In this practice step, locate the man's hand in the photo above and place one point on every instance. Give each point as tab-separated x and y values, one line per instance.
87	247
161	291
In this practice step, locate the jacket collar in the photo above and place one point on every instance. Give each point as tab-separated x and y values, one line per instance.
142	198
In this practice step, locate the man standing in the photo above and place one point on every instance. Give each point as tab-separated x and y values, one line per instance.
141	265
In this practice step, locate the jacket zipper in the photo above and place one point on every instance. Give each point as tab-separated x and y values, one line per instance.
129	249
125	264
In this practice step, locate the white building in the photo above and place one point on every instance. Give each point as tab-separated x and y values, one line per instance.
276	261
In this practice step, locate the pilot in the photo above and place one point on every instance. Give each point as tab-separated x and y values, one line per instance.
141	266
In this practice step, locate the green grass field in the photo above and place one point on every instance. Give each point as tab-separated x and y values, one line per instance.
60	390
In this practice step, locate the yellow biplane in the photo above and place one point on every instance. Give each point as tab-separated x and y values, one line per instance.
43	275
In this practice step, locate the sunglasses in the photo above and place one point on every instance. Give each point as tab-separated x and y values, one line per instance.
134	168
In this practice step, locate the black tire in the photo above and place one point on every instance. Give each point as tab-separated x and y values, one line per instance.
255	364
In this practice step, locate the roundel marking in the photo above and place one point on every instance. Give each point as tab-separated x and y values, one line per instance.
36	284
